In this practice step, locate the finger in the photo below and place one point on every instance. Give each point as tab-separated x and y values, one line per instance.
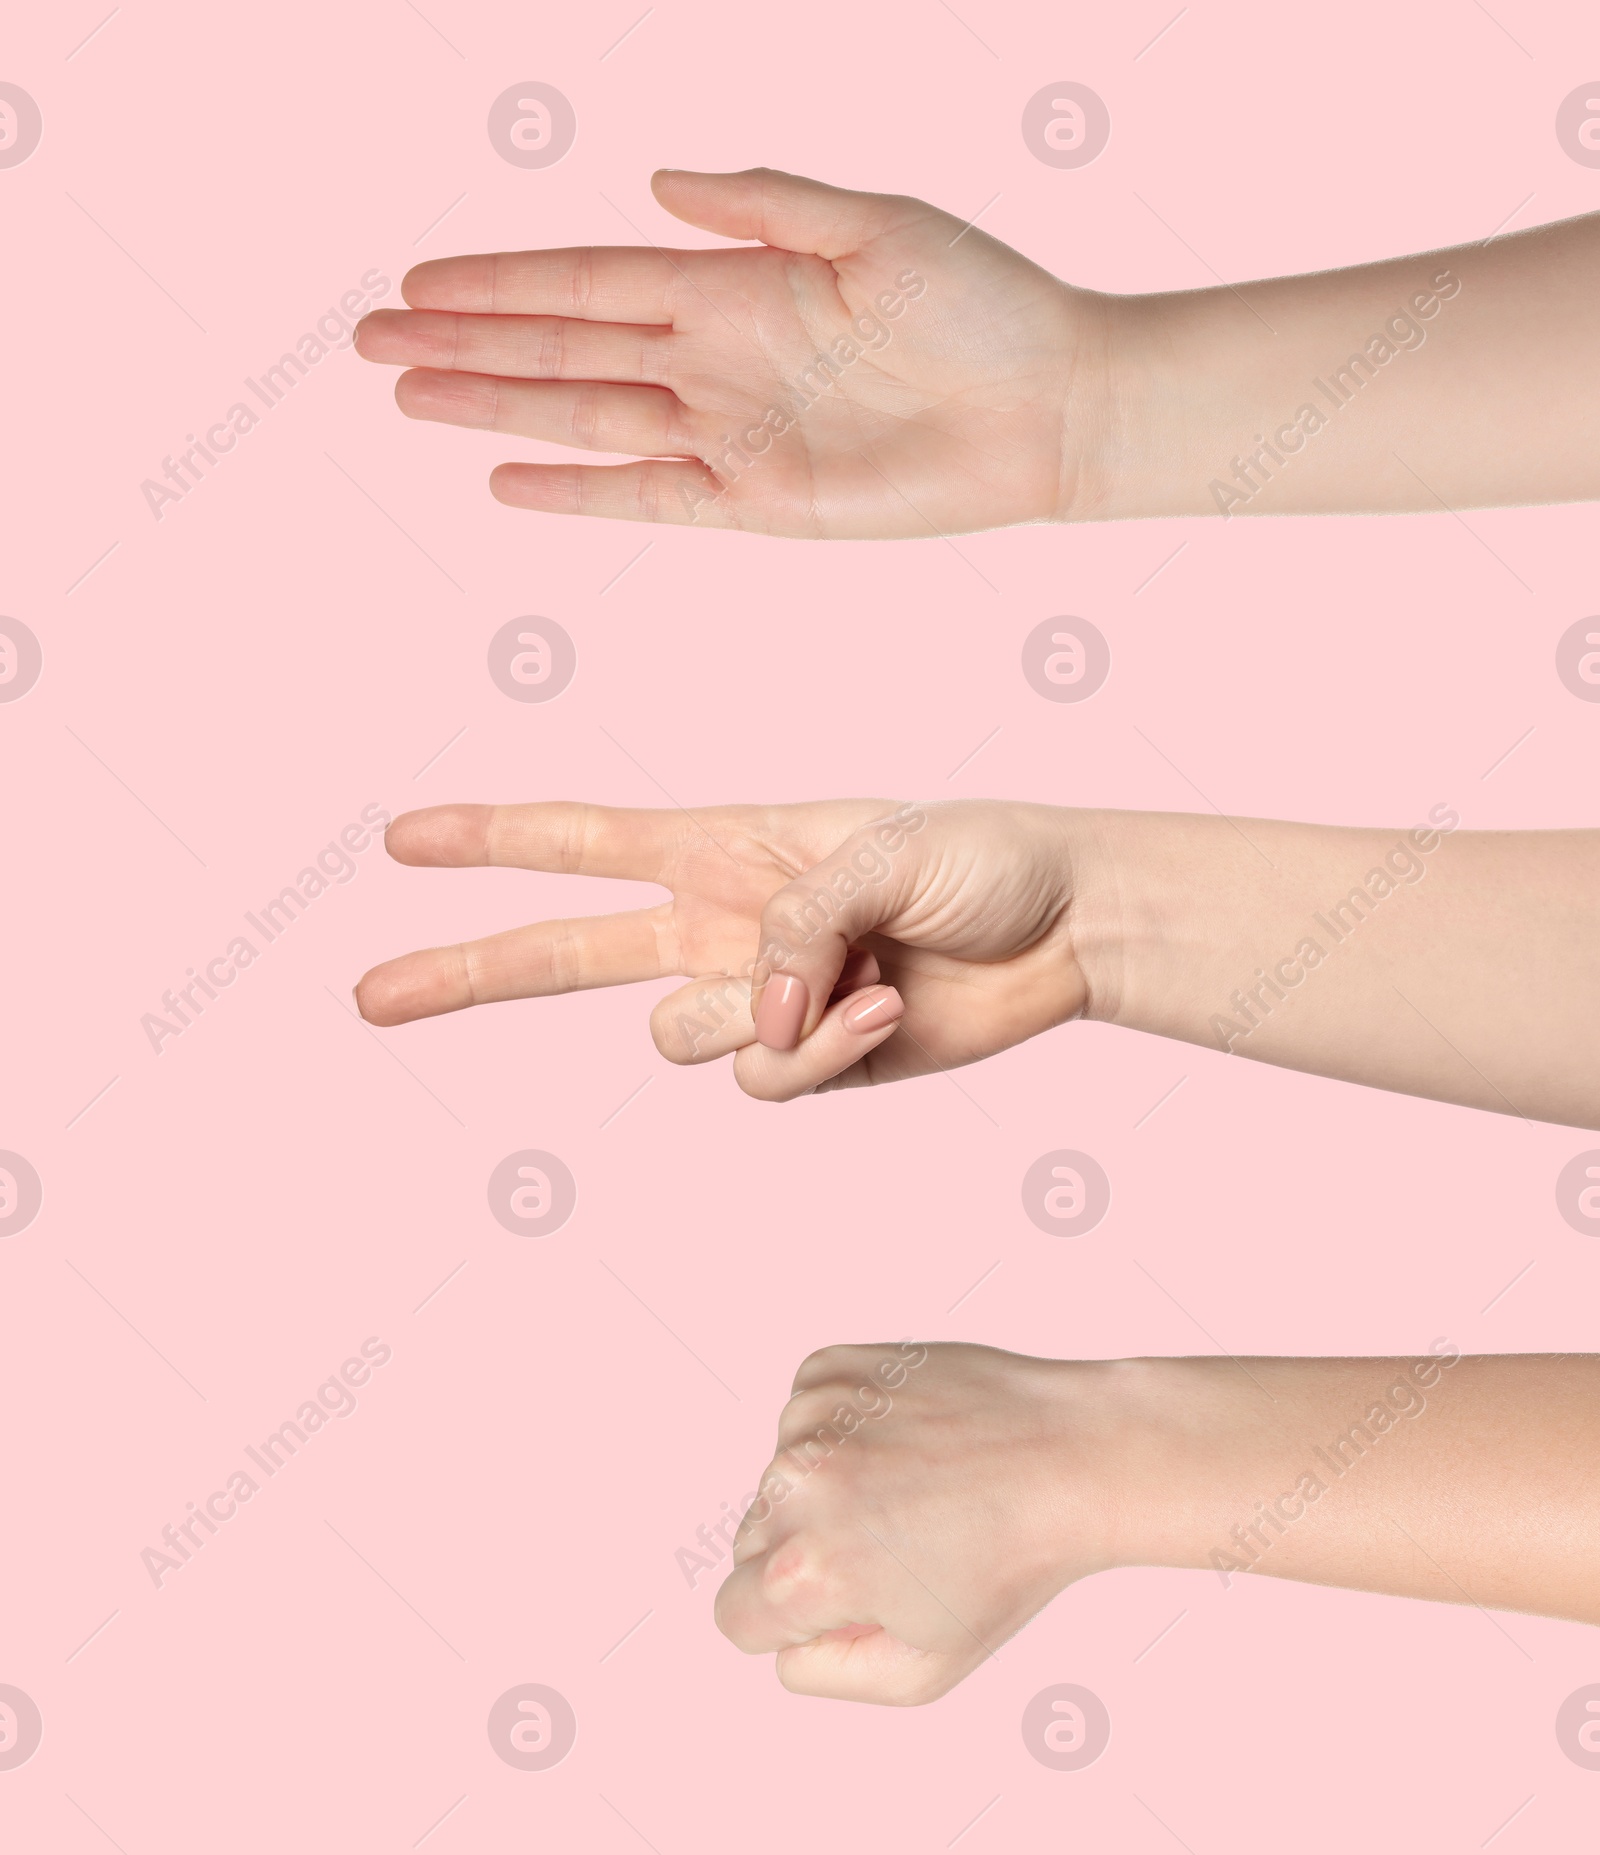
809	925
781	209
646	420
762	1520
860	970
518	347
685	494
540	961
849	1031
784	1597
598	283
560	836
869	1665
710	1017
822	1409
704	1020
840	1364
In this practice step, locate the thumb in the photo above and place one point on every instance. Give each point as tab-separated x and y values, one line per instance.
785	210
809	926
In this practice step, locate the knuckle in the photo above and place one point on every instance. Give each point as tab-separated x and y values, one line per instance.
668	1035
797	1573
552	348
807	1411
647	492
730	1619
585	418
578	827
582	280
816	1368
674	430
564	960
468	959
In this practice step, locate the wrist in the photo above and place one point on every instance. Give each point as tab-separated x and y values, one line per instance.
1103	410
1131	1446
1177	1446
1107	908
1173	908
1123	412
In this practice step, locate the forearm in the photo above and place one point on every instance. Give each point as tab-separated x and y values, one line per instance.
1452	964
1466	1480
1455	378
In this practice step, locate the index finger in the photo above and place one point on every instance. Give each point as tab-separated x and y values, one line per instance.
595	283
562	836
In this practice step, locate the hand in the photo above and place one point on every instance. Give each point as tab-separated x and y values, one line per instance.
924	1503
951	381
834	944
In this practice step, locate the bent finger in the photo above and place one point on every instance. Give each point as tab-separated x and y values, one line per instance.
837	1364
704	1020
809	925
849	1031
868	1665
710	1017
781	1598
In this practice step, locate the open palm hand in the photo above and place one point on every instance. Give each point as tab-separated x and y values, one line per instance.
872	368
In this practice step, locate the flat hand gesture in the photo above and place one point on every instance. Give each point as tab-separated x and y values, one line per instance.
872	368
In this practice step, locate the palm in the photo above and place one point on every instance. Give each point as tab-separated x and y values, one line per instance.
946	418
873	368
721	866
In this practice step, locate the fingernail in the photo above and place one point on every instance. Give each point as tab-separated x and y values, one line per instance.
782	1011
874	1010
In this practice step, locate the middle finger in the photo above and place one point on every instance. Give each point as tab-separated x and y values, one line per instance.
522	347
539	961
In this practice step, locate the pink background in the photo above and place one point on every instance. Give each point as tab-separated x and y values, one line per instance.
274	1187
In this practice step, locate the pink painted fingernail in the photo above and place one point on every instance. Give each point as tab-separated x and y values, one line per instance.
782	1011
873	1010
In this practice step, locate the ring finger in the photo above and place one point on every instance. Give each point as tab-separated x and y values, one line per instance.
637	421
849	1030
